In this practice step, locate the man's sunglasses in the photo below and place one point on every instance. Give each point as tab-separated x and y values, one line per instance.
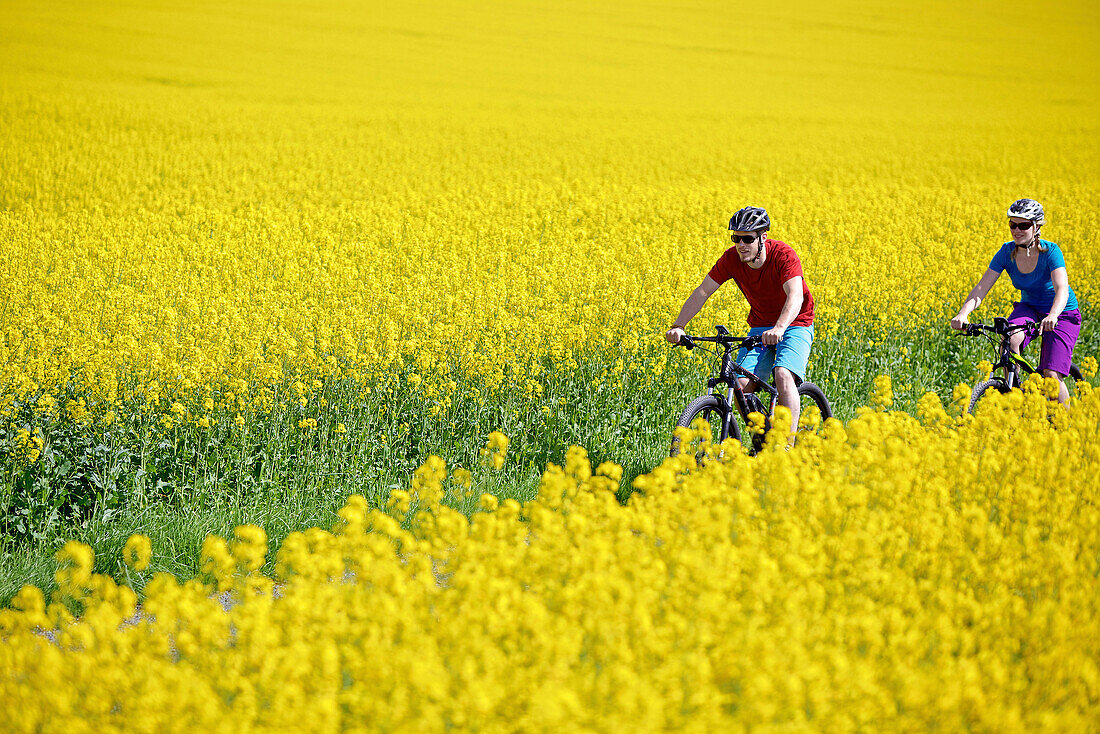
745	238
1020	225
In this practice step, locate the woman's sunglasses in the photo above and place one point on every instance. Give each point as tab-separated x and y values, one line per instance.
744	238
1020	225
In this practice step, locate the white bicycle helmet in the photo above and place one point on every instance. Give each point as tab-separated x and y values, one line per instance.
1028	209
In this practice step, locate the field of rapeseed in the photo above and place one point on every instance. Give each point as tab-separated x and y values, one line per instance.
263	258
895	574
288	250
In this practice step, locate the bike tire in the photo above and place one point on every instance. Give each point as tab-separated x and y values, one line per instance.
817	397
1000	385
807	391
1075	372
712	411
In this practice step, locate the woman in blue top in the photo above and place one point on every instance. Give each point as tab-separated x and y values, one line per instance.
1038	270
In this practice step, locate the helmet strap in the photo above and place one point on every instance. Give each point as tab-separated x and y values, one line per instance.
759	249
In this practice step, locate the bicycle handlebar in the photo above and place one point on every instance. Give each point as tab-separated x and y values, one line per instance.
1001	327
748	342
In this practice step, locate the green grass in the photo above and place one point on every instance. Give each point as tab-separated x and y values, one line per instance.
101	485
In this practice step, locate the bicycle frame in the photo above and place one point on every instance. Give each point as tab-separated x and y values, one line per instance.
729	374
1009	362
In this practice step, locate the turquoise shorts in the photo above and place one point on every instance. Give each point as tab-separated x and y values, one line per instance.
792	352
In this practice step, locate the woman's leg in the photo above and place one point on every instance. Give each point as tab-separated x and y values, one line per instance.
1063	392
1056	354
1022	313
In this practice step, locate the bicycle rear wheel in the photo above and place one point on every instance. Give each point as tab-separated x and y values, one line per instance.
996	383
711	410
814	407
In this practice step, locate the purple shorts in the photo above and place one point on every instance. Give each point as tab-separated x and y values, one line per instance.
1057	351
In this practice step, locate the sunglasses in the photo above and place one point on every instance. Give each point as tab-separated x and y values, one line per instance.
1020	225
745	238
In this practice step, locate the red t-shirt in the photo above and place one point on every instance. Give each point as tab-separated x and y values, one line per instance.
763	288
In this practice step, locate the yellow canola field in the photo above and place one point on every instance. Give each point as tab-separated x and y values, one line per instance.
890	575
197	194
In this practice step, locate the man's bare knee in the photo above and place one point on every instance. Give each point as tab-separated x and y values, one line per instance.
784	379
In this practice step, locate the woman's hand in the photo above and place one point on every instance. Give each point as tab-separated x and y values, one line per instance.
673	335
1048	323
959	322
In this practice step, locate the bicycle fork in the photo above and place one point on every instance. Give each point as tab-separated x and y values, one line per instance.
727	404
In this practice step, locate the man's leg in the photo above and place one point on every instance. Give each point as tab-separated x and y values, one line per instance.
791	357
758	361
787	386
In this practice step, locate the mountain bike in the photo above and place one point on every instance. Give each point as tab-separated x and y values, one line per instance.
1010	364
720	409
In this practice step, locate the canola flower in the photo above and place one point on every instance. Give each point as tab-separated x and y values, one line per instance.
137	552
412	236
495	450
888	574
183	226
457	205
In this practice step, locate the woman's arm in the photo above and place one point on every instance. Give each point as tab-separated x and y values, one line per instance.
974	299
1061	295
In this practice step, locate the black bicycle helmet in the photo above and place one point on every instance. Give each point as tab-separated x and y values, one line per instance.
750	219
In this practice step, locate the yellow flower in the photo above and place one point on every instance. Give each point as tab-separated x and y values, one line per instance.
75	561
882	394
138	552
960	396
495	450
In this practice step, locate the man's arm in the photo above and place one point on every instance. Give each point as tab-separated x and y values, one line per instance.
691	307
793	289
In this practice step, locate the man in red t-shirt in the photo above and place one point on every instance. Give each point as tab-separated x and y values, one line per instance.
781	308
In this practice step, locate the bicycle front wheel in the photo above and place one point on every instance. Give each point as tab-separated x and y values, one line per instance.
995	384
713	412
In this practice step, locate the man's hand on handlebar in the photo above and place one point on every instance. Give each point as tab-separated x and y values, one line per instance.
673	335
959	323
773	336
